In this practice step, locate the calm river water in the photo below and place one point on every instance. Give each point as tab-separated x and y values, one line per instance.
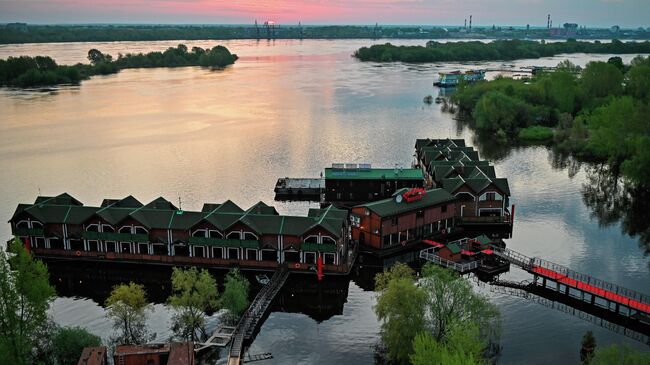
290	108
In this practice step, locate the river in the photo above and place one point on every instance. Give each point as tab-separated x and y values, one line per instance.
290	108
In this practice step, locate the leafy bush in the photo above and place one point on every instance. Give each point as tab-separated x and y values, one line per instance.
536	133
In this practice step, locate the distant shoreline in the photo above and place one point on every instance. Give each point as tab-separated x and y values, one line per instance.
17	33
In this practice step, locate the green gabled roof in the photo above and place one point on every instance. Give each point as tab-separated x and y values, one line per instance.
49	213
265	224
296	226
419	143
79	214
19	209
478	184
452	184
479	171
227	207
223	220
472	155
483	239
441	172
454	248
502	184
373	174
161	203
153	218
114	215
262	208
185	219
389	207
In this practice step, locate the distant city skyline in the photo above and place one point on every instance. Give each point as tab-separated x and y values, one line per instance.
591	13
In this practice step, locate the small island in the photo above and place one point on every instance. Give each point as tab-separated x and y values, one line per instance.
499	50
599	113
25	71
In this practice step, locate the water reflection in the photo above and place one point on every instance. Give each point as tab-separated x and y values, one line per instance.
613	201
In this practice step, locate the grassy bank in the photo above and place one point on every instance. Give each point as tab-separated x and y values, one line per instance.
492	51
25	71
601	112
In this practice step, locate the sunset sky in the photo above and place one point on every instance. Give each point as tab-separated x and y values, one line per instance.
626	13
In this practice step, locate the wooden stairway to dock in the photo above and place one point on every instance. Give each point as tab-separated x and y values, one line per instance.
250	319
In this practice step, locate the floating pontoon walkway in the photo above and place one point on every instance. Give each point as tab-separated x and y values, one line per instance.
250	320
616	298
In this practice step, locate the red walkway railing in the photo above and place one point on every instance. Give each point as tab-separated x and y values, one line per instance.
618	294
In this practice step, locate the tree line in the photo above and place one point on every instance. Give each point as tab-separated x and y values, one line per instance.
25	71
29	336
601	112
493	51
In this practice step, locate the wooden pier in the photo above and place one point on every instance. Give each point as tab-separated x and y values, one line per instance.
596	292
299	189
250	320
220	338
550	298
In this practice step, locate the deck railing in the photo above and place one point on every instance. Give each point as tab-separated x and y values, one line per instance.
527	263
430	255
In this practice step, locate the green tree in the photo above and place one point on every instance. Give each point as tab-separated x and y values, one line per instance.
463	346
127	307
601	79
638	81
235	294
95	56
620	355
193	293
450	300
25	294
400	307
588	347
69	342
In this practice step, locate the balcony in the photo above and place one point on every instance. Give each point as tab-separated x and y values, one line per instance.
221	242
319	247
27	232
112	236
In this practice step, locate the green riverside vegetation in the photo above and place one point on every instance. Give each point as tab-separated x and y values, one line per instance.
25	71
600	113
492	51
437	319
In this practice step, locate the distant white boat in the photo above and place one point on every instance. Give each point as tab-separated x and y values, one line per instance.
451	79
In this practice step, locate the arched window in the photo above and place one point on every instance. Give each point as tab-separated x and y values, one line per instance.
107	228
250	236
235	235
328	239
215	234
140	230
199	233
311	239
36	224
465	197
22	224
125	229
92	228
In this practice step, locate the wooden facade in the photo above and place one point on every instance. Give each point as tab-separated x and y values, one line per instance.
449	164
220	235
347	185
393	222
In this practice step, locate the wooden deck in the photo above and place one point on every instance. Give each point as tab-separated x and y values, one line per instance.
590	288
251	318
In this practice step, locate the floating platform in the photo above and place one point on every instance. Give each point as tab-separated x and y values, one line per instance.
299	188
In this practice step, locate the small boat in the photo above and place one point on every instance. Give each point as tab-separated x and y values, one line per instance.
262	279
451	79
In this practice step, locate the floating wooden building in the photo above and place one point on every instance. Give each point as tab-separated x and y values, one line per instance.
481	197
220	235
